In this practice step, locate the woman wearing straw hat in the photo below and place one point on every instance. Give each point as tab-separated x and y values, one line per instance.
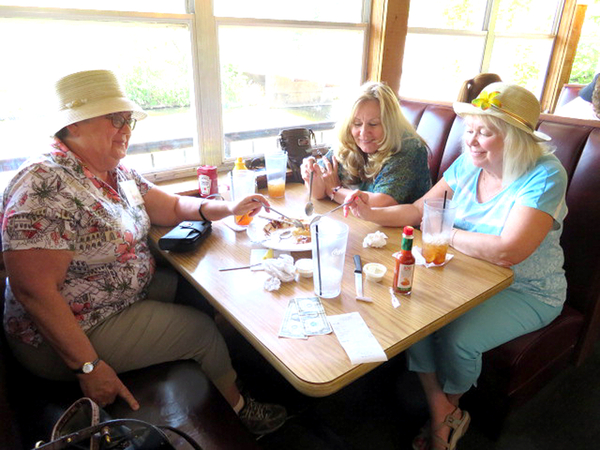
74	233
510	195
379	152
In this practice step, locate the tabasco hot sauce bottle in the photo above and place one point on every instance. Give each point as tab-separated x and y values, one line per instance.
405	263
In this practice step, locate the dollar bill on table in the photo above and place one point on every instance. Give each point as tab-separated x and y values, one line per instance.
292	327
313	317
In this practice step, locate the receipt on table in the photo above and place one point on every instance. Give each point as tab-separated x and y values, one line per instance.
356	338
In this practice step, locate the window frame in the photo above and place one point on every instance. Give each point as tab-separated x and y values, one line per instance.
200	133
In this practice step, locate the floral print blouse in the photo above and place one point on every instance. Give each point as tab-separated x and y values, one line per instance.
55	202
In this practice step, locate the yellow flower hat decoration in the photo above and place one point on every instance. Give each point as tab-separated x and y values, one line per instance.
485	100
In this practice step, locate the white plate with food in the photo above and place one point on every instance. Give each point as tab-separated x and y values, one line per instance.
279	234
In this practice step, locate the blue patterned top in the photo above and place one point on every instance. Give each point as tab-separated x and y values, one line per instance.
541	274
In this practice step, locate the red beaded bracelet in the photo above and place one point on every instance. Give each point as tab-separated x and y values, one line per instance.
334	191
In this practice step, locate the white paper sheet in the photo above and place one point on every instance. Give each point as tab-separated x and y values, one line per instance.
356	338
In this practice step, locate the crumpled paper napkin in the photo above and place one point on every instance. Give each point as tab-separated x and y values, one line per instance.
420	260
280	269
377	240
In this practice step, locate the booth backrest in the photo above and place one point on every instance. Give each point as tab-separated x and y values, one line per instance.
568	92
577	145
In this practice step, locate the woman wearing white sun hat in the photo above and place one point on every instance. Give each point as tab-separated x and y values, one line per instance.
74	234
510	196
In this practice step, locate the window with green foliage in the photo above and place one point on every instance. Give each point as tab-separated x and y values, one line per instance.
450	41
216	83
587	59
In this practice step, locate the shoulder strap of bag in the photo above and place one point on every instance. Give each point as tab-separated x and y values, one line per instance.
83	403
69	440
81	414
184	435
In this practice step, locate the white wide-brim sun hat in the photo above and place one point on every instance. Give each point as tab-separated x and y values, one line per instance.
509	102
89	94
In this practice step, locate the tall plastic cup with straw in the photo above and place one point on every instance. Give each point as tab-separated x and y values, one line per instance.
438	220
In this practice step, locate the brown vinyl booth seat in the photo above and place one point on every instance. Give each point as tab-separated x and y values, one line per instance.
515	371
177	394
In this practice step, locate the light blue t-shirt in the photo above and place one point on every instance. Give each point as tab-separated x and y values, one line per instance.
544	187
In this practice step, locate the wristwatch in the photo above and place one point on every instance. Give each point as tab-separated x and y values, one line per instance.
87	367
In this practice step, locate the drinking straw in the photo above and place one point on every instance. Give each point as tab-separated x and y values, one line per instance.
318	260
443	208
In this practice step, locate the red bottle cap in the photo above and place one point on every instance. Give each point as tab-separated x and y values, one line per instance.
408	230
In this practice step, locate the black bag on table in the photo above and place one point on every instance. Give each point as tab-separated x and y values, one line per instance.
186	236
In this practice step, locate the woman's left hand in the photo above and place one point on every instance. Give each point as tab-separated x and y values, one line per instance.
359	204
252	204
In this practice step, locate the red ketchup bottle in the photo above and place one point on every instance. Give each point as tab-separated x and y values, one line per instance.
207	180
405	264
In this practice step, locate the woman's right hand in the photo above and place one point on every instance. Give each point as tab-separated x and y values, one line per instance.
251	204
103	386
307	166
310	165
325	177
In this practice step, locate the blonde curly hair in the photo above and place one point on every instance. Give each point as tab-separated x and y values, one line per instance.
359	165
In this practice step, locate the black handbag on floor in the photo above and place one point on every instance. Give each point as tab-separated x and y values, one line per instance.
69	433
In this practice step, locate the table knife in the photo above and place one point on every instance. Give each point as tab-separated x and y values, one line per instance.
358	282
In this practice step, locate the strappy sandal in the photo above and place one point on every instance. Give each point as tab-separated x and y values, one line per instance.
421	440
458	428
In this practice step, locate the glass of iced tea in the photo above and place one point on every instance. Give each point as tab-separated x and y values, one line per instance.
276	165
436	229
243	183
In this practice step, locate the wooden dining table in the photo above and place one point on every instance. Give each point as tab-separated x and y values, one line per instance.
319	366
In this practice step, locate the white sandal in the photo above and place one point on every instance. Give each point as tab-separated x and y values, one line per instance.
458	428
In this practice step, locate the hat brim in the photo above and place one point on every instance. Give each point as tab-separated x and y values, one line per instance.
69	116
468	109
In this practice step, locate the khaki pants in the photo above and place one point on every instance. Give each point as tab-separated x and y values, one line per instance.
146	333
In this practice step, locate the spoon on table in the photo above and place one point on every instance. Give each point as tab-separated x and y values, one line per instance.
328	212
309	208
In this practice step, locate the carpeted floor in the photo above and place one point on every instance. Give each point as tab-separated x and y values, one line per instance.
384	409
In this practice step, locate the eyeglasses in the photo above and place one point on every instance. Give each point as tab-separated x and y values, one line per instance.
118	121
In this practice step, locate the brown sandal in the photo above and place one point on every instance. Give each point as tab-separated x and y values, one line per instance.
458	428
